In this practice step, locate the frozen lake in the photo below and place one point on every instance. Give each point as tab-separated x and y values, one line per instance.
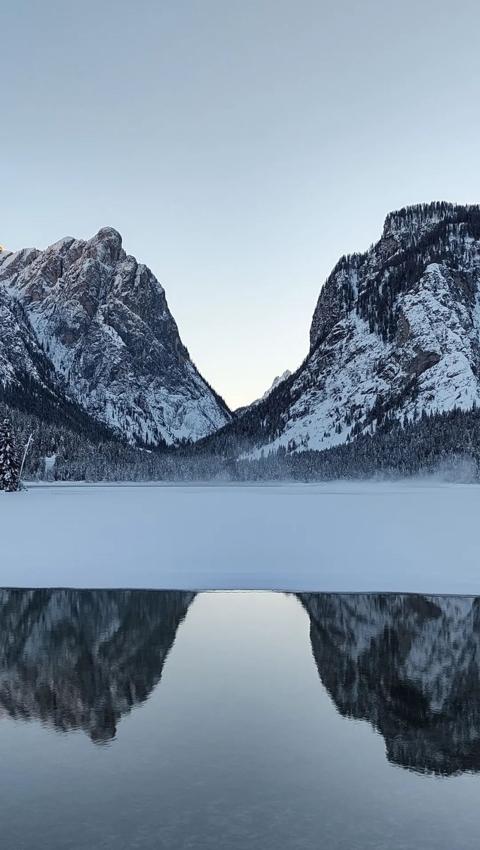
247	721
344	536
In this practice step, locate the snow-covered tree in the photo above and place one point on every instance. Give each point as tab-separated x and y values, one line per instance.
9	466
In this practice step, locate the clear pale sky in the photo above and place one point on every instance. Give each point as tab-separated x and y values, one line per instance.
239	147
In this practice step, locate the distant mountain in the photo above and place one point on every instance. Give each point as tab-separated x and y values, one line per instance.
395	333
85	330
275	383
409	666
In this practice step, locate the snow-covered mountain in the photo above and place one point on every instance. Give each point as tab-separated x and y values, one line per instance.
275	383
84	322
409	665
395	333
80	659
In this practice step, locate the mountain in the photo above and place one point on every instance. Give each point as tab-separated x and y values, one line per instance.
409	666
87	341
395	333
85	329
275	383
81	659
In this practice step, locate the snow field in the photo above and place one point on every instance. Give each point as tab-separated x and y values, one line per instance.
343	536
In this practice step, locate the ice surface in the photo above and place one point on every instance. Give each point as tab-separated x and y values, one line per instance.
343	536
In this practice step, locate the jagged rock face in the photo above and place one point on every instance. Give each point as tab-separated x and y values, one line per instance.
409	665
101	321
19	349
83	659
395	333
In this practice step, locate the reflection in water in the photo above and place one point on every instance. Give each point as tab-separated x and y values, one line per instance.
83	659
240	745
410	665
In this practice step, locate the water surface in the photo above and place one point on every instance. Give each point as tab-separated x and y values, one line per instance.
238	720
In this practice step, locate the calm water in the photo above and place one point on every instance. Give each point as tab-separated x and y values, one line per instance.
238	720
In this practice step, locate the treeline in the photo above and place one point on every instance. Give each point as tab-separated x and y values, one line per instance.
448	241
448	443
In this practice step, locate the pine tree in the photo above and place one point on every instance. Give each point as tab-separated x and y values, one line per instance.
9	466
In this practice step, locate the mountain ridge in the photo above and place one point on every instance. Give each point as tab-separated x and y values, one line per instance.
395	336
85	321
395	333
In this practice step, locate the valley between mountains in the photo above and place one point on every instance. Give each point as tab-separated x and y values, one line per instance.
92	361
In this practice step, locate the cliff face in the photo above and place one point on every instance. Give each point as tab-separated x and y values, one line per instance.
91	324
409	665
395	334
396	331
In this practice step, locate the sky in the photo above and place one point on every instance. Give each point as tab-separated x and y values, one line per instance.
239	146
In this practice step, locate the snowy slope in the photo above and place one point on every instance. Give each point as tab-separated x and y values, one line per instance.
101	322
395	333
275	383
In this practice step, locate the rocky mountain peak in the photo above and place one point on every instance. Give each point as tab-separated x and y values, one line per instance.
395	335
99	320
414	222
106	246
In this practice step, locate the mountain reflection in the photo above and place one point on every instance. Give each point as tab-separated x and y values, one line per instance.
81	659
410	666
